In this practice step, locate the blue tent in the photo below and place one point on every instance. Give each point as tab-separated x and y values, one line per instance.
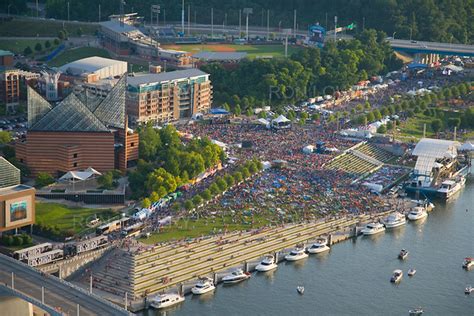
415	65
219	111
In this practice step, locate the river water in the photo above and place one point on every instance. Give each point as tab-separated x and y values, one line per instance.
353	278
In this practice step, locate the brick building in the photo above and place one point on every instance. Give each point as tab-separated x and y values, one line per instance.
78	133
9	87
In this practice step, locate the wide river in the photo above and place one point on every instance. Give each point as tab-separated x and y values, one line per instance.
353	278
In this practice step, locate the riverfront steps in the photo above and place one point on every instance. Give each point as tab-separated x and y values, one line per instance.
161	267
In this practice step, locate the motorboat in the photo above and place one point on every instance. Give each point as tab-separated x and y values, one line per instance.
319	246
267	264
426	204
416	311
296	254
373	228
300	289
468	263
166	300
469	289
417	213
204	285
396	276
236	276
403	254
395	220
411	272
450	187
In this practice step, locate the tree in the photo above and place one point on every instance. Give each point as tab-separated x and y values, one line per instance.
245	172
370	117
454	122
47	44
226	106
359	107
197	200
188	205
27	51
377	114
146	203
238	176
389	125
214	189
38	47
303	117
237	110
382	129
221	184
160	178
106	180
79	32
17	240
229	179
62	35
43	179
315	116
436	125
154	197
367	105
56	41
252	168
249	112
206	195
5	137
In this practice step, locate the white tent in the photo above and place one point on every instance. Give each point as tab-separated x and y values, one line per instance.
78	175
467	146
308	149
266	165
281	119
219	143
375	187
281	122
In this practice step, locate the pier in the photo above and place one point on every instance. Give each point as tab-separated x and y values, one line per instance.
134	275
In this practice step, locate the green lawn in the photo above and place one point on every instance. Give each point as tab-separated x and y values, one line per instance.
187	228
77	53
253	51
18	46
28	28
68	218
413	127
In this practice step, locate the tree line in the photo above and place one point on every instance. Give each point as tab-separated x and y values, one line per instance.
166	163
309	72
430	20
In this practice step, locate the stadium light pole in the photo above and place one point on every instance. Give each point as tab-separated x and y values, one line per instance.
268	25
68	11
8	9
294	23
212	23
240	22
99	12
182	17
247	12
335	27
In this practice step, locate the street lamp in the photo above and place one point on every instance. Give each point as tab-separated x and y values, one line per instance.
393	35
8	9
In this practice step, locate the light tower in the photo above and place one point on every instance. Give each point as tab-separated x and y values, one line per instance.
286	32
182	17
247	12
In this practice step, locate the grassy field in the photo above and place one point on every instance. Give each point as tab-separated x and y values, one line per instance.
19	45
187	228
68	218
28	28
413	127
252	51
77	53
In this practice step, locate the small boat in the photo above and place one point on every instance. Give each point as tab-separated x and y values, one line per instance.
468	263
416	311
417	213
296	254
300	289
372	229
267	264
238	275
396	276
469	289
319	246
166	300
403	254
203	286
395	220
411	272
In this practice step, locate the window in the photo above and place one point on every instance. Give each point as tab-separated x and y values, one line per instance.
75	164
74	156
132	145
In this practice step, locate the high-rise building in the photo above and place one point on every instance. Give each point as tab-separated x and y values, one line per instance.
168	96
9	87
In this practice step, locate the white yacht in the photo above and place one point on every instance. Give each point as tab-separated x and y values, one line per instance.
372	229
469	289
319	246
267	264
204	285
396	276
403	254
411	272
166	300
296	254
417	213
236	276
450	187
395	220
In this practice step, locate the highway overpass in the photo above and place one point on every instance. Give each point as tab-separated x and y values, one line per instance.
58	293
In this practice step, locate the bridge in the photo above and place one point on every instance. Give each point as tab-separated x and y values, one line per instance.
414	47
49	292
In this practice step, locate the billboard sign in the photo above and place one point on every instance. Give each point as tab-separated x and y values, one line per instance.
316	35
18	211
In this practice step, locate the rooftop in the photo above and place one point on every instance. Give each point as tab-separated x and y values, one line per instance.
164	76
436	148
116	27
223	56
9	174
14	189
91	64
5	53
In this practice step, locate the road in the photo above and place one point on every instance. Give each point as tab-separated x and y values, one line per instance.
58	293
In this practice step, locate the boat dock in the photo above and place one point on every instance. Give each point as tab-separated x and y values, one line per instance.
136	274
